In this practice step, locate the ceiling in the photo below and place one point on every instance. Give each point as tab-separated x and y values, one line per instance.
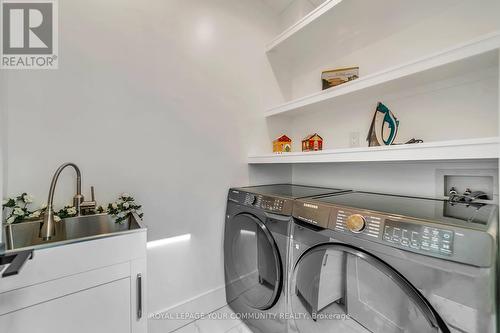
280	5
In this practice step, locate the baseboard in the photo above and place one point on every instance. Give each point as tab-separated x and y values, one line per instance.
166	320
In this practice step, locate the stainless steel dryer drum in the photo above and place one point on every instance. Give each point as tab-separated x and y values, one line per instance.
256	243
391	264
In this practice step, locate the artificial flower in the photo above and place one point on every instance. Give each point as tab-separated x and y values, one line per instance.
35	214
27	198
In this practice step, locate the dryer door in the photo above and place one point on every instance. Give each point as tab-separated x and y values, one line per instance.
252	262
336	287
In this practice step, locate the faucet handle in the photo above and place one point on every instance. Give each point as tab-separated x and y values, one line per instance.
89	206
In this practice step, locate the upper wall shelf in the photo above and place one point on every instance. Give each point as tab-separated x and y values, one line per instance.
327	24
477	54
319	13
483	148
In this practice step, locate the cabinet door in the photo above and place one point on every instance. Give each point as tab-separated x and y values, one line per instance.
105	308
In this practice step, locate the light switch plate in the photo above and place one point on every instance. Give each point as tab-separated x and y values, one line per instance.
354	139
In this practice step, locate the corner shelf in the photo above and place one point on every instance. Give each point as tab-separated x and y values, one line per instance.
481	148
475	55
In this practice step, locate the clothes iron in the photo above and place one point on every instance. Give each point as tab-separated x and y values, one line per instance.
384	127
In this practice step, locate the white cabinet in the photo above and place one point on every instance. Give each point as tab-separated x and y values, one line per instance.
93	286
105	308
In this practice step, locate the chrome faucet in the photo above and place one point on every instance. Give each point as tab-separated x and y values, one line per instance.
48	226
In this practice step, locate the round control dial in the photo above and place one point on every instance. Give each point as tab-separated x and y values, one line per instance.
356	223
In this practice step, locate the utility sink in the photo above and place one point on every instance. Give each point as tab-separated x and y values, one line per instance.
26	234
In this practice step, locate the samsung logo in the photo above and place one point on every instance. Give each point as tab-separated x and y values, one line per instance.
310	206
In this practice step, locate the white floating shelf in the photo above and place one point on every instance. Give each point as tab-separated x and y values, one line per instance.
477	54
316	14
482	148
351	24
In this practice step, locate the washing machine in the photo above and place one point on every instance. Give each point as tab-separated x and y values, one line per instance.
368	262
256	243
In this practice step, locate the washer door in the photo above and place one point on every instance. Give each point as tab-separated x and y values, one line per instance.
336	287
252	262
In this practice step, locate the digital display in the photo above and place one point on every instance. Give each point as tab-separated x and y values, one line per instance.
419	237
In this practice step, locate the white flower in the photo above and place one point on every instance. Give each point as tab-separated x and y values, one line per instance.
35	214
57	218
125	195
11	219
27	198
18	211
43	206
71	210
126	205
114	205
4	201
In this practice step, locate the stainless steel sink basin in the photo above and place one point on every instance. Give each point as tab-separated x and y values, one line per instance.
26	234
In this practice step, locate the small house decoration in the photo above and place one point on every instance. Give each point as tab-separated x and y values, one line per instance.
312	143
338	76
283	144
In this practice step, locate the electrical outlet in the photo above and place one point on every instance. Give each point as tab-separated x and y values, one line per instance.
354	139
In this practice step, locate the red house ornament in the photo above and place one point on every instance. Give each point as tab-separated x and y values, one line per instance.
312	142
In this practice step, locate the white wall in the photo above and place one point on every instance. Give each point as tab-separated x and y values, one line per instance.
294	12
161	99
406	178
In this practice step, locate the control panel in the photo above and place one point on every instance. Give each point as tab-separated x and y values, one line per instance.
419	237
413	236
271	204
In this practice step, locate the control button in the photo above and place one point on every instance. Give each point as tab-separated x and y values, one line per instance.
447	235
396	233
356	223
404	234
